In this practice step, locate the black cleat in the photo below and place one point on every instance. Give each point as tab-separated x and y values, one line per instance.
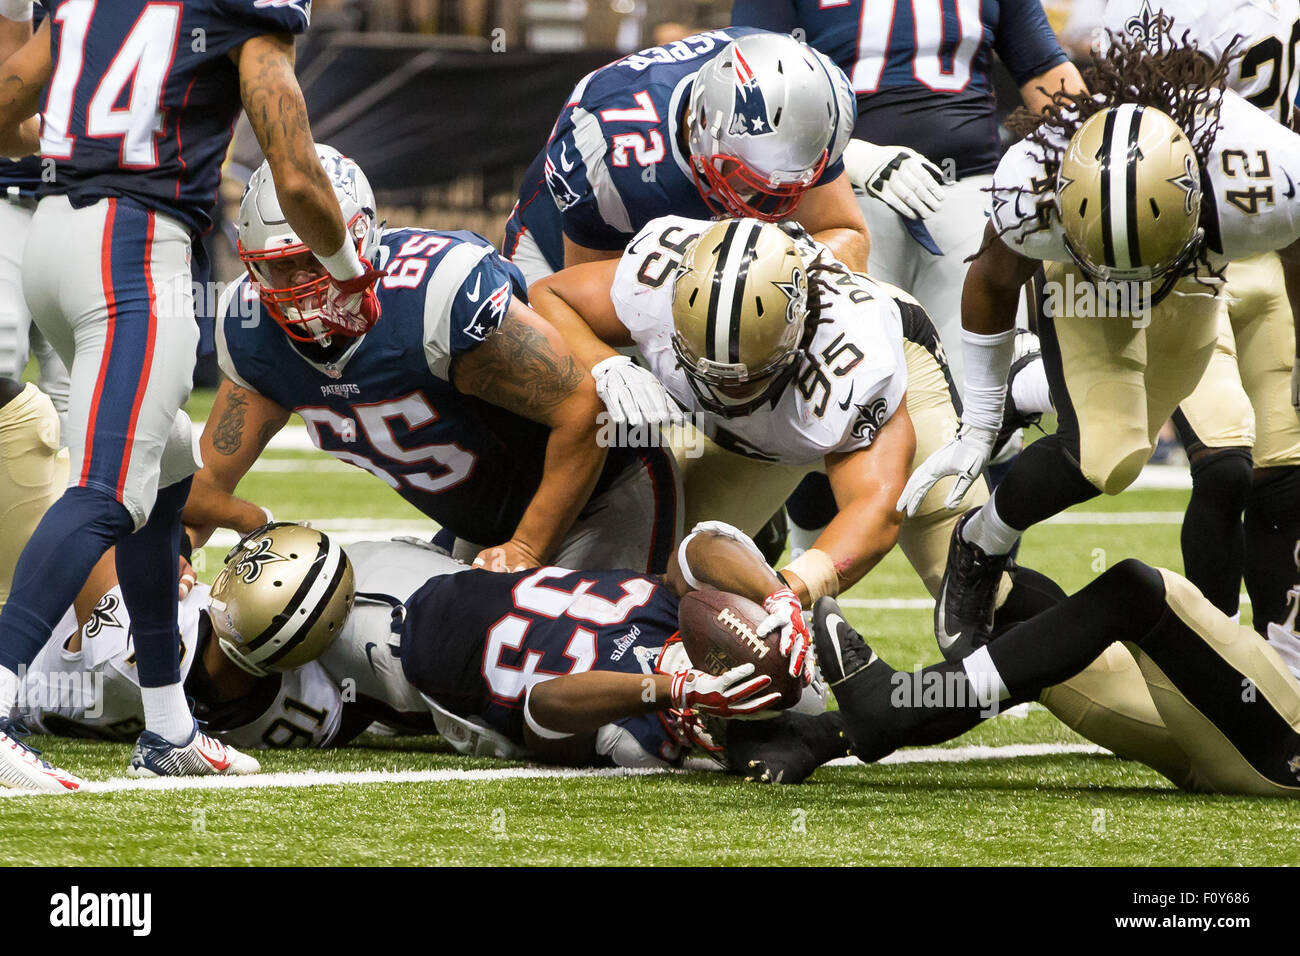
963	615
860	680
786	748
841	651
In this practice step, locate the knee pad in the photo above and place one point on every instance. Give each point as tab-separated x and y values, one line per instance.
1223	475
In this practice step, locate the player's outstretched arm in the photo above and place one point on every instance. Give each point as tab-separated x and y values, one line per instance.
832	215
580	704
866	484
22	78
277	112
576	301
988	317
239	426
525	367
715	555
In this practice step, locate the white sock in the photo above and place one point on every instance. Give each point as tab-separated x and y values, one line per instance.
9	687
984	678
801	539
1030	391
989	532
166	713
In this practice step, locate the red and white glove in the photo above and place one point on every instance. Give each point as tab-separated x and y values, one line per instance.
785	612
729	694
351	306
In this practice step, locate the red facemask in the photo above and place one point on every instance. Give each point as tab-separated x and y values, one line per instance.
291	282
732	188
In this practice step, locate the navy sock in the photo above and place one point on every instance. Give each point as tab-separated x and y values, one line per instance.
72	536
147	569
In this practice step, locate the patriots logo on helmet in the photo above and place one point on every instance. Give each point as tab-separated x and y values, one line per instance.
490	313
561	191
749	117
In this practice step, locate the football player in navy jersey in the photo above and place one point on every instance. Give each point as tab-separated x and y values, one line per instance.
546	663
138	100
920	73
19	338
462	399
730	122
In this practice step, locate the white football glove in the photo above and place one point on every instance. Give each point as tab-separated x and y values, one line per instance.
785	613
733	693
632	395
901	178
1295	386
965	456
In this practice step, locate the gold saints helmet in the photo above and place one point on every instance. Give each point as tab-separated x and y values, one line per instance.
282	597
1129	195
740	301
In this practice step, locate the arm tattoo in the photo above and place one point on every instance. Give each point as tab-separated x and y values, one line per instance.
518	369
275	106
230	427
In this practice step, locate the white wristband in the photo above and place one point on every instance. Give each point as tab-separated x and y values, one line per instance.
988	360
713	527
345	263
534	726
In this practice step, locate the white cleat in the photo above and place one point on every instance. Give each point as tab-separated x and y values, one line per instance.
202	756
22	769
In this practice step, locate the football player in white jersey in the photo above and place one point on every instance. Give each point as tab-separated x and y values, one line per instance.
1241	433
791	362
1136	208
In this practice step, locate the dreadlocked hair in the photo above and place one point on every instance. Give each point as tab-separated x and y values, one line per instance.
1146	68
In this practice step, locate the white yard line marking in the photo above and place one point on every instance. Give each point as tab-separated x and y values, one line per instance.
319	778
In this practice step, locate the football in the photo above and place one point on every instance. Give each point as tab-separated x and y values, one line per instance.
720	631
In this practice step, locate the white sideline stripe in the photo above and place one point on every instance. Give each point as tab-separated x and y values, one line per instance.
317	778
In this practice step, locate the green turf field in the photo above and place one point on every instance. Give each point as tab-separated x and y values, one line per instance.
1076	808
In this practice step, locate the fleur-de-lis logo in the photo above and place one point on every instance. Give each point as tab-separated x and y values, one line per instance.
870	417
1190	183
249	563
1147	25
104	615
796	290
